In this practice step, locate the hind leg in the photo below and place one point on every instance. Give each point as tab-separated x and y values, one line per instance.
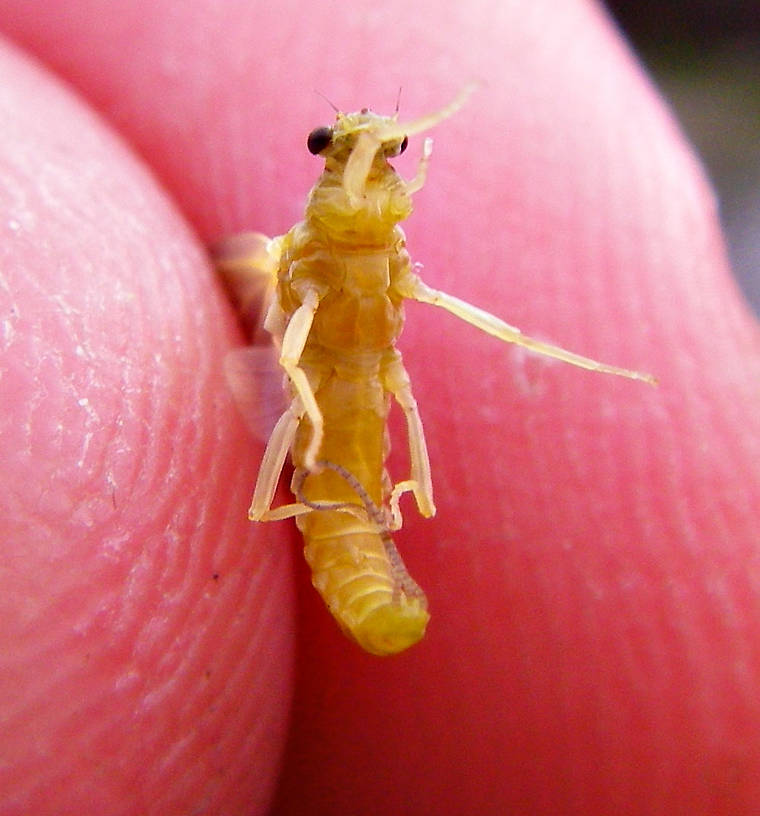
396	381
276	451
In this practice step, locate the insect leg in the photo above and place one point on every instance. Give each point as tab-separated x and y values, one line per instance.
417	183
396	381
414	288
293	343
358	165
271	467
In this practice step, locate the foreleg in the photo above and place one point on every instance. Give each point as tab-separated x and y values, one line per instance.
417	183
414	288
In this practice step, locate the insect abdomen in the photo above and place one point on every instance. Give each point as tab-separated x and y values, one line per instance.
362	579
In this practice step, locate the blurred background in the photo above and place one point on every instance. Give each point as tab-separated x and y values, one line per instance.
705	57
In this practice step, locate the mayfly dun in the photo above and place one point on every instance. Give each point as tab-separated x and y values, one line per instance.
337	282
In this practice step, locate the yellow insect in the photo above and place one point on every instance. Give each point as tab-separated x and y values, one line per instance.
339	279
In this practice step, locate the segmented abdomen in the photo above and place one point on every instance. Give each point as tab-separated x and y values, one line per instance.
355	565
362	579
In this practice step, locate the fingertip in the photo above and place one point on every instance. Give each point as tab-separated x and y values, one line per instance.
140	601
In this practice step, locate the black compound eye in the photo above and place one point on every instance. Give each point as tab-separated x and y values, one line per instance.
319	139
404	143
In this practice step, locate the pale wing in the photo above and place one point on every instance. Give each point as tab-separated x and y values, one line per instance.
247	264
256	382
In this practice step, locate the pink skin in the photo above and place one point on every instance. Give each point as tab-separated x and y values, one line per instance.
592	571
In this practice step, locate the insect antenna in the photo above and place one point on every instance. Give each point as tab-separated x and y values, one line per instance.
319	93
374	513
403	583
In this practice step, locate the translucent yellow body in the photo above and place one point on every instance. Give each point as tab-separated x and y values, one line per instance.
353	256
339	279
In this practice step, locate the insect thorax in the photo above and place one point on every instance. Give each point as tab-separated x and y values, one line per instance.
370	220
